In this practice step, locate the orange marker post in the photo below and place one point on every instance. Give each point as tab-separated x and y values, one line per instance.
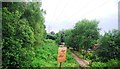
61	54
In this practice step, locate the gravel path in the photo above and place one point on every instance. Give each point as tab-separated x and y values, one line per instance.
82	63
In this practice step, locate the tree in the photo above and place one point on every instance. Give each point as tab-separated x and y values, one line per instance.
68	37
51	35
34	15
109	46
23	28
52	32
60	37
84	35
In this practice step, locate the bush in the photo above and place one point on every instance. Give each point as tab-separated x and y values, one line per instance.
89	56
22	28
46	56
110	63
109	46
51	36
98	64
113	63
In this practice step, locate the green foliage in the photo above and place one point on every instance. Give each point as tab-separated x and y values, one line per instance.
84	35
89	55
12	6
23	27
70	61
68	37
110	63
25	33
51	35
109	46
98	64
46	56
60	35
34	15
113	63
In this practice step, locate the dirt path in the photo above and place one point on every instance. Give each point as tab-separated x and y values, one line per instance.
82	63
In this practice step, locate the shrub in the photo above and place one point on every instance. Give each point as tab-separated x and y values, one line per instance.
110	63
98	64
109	46
46	56
22	28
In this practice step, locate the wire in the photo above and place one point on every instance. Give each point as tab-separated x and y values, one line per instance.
77	11
93	9
57	5
81	9
66	3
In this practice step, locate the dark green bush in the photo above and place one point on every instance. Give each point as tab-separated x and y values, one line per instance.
109	46
21	32
110	63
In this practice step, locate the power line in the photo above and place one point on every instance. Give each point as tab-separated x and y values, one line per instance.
55	10
63	9
77	11
93	9
81	9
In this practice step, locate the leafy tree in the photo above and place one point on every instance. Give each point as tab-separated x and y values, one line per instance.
109	46
85	33
12	44
60	37
68	37
51	35
52	32
34	15
23	27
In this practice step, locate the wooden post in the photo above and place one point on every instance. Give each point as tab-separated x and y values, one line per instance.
60	65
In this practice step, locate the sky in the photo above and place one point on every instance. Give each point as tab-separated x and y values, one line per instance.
63	14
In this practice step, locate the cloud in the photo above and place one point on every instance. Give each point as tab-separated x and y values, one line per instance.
62	14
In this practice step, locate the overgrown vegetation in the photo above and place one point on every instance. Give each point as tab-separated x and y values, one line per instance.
23	28
88	44
24	38
83	36
109	46
47	56
110	63
25	42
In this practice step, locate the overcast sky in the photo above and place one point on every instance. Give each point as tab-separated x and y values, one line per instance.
63	14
